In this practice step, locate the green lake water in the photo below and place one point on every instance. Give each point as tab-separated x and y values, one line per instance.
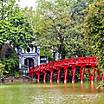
50	94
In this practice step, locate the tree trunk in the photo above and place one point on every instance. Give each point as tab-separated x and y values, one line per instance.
62	51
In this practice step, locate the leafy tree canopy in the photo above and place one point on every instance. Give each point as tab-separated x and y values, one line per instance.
14	26
54	25
94	30
15	31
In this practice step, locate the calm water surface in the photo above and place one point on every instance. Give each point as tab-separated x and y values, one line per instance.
50	94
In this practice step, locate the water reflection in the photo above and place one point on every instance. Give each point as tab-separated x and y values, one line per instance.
60	96
82	87
67	95
73	88
93	88
51	94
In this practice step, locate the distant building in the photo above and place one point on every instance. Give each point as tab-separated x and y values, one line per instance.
29	57
43	59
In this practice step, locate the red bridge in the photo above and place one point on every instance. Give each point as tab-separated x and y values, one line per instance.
84	64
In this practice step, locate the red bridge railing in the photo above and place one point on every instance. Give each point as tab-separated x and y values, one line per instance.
85	63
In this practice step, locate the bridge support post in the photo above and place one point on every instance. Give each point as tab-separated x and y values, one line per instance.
98	72
51	77
94	71
103	76
73	74
92	75
92	79
82	70
44	80
38	77
65	74
32	75
89	73
58	76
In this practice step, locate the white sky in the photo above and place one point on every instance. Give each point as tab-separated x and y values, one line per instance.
28	3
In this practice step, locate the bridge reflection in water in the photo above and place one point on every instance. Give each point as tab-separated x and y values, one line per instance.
51	94
70	94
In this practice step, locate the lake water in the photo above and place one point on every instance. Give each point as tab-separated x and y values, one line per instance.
50	94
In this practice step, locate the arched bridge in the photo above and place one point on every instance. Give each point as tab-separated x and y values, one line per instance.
81	65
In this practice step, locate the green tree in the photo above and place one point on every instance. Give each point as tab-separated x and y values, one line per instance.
54	26
1	69
6	8
15	31
14	26
94	30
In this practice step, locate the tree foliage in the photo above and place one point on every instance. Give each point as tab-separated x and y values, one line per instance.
94	30
14	26
15	31
1	69
54	25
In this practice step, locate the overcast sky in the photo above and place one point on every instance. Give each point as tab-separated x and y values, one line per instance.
28	3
